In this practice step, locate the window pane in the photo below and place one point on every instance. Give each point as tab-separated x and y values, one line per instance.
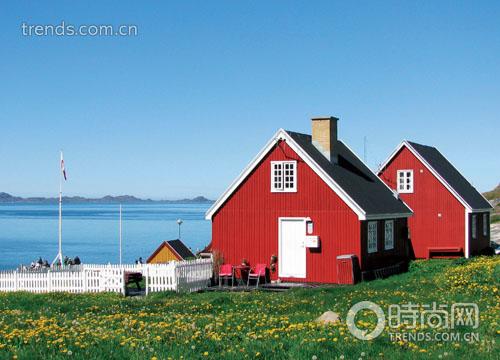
372	237
474	220
389	234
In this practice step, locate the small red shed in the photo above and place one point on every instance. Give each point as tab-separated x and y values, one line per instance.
451	218
304	200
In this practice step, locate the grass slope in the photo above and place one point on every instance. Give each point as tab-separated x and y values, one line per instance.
249	325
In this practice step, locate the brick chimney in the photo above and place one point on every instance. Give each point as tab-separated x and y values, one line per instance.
324	136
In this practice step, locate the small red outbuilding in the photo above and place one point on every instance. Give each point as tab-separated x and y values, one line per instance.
304	201
451	218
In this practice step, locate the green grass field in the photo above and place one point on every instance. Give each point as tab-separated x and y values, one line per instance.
251	324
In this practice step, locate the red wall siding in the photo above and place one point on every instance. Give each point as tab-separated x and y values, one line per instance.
246	226
428	199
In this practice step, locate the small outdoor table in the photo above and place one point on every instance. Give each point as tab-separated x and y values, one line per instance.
133	277
241	274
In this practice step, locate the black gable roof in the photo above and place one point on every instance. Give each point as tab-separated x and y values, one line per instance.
355	178
181	249
451	175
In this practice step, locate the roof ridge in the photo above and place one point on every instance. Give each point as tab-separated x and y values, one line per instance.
424	145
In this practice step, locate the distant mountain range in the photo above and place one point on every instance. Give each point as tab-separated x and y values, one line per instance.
108	199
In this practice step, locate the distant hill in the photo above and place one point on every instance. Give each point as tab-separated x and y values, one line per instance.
494	198
493	194
108	199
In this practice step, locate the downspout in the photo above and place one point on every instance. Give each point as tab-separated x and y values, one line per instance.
467	212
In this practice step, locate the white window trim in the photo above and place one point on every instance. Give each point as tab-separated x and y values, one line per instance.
372	249
283	189
391	244
485	225
474	226
405	190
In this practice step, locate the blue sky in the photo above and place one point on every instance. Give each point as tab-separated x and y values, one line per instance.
181	108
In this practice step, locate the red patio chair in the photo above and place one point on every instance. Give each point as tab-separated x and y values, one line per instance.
256	273
226	271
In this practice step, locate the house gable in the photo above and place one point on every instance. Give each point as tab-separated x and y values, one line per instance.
163	254
282	136
411	147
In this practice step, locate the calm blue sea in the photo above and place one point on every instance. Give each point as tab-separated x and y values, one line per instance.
91	231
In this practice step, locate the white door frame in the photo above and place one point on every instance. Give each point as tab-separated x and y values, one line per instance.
280	220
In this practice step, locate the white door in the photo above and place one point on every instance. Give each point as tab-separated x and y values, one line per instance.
292	251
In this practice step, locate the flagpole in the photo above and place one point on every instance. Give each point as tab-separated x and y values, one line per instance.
60	216
120	234
59	253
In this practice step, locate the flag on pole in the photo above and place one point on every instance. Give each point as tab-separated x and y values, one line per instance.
63	169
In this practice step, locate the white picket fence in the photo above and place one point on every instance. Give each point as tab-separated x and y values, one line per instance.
190	275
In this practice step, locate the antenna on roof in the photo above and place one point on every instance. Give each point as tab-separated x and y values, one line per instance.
364	150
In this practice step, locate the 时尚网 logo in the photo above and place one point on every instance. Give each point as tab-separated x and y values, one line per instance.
409	316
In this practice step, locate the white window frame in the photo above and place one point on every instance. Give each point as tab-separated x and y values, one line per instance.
402	177
474	226
485	224
389	235
372	240
280	180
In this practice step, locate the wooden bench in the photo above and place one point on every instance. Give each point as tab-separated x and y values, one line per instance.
444	252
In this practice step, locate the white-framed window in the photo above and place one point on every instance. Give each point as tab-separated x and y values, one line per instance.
372	236
405	181
485	224
283	176
389	235
474	226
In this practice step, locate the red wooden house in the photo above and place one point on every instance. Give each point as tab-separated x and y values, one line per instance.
304	201
451	218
